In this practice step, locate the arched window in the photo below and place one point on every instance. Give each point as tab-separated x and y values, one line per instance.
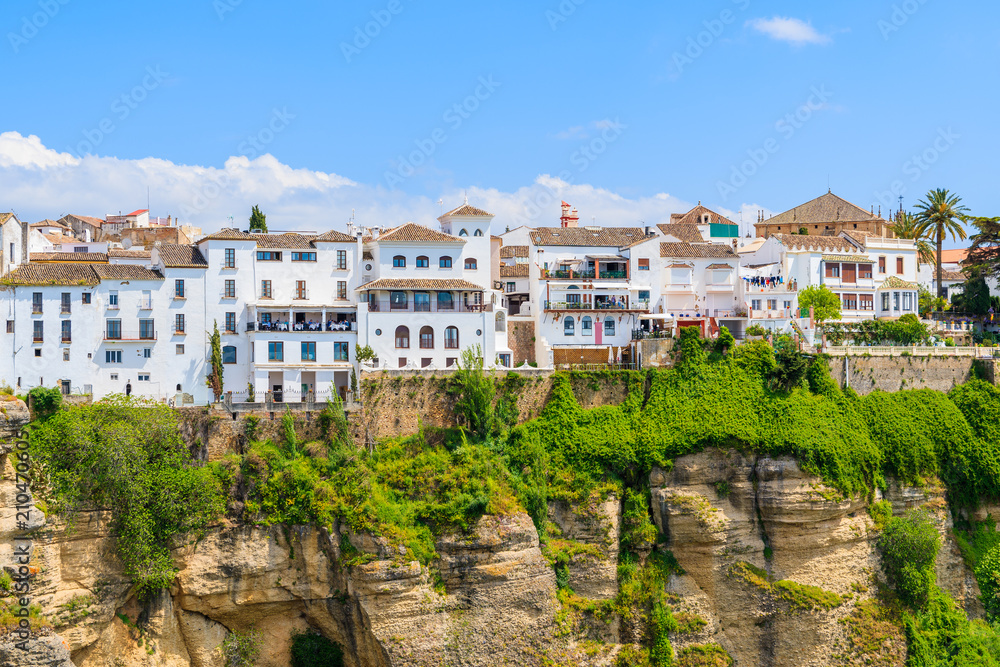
445	262
178	387
463	233
609	326
446	301
426	338
402	337
587	326
471	264
569	326
398	262
478	232
423	262
501	323
229	354
451	338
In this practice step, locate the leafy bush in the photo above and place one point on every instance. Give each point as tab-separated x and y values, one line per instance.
756	330
988	576
45	401
909	545
311	649
127	455
242	649
724	341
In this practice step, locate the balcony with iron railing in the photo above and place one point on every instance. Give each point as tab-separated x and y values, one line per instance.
628	306
304	327
129	336
428	307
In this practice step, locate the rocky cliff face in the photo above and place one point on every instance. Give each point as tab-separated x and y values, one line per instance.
773	562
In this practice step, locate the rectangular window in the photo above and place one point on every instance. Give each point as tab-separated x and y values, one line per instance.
268	256
866	302
422	302
67	331
65	354
342	290
112	356
36	303
178	289
229	291
772	304
511	287
832	270
147	331
399	262
342	260
895	300
10	326
143	377
644	264
265	289
147	353
64	306
755	304
178	349
308	351
146	300
230	261
113	300
423	262
300	289
275	351
303	257
885	301
644	295
788	305
86	297
850	273
179	323
38	335
230	322
881	264
907	300
865	271
340	351
850	301
899	265
113	330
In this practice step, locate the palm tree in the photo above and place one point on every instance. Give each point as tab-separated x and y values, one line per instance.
938	215
907	227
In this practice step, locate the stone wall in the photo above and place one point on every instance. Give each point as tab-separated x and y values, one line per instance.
867	374
398	402
521	339
657	352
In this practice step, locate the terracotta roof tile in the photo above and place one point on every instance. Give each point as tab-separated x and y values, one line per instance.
69	257
825	208
125	272
4	217
694	217
952	275
131	253
181	256
696	250
420	284
846	258
90	220
514	271
467	211
582	236
289	240
509	251
720	266
334	237
686	232
816	243
895	282
51	274
229	234
412	232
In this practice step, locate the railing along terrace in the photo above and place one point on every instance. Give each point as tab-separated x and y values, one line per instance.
428	307
605	305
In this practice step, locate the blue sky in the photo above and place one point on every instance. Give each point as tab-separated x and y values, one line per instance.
628	110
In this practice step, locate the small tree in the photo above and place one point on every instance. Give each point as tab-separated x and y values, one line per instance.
44	401
823	301
984	253
241	649
214	379
364	353
724	341
909	545
258	221
975	295
475	402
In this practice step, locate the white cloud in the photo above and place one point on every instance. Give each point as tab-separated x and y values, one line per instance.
41	183
583	131
792	30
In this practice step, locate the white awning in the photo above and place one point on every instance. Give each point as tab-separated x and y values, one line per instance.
612	286
656	316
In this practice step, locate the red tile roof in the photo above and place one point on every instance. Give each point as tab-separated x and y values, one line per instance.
414	233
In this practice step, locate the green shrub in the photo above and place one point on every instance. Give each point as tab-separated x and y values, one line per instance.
311	649
725	340
242	649
909	545
45	401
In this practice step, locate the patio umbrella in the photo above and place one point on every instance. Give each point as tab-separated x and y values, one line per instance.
611	355
619	355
